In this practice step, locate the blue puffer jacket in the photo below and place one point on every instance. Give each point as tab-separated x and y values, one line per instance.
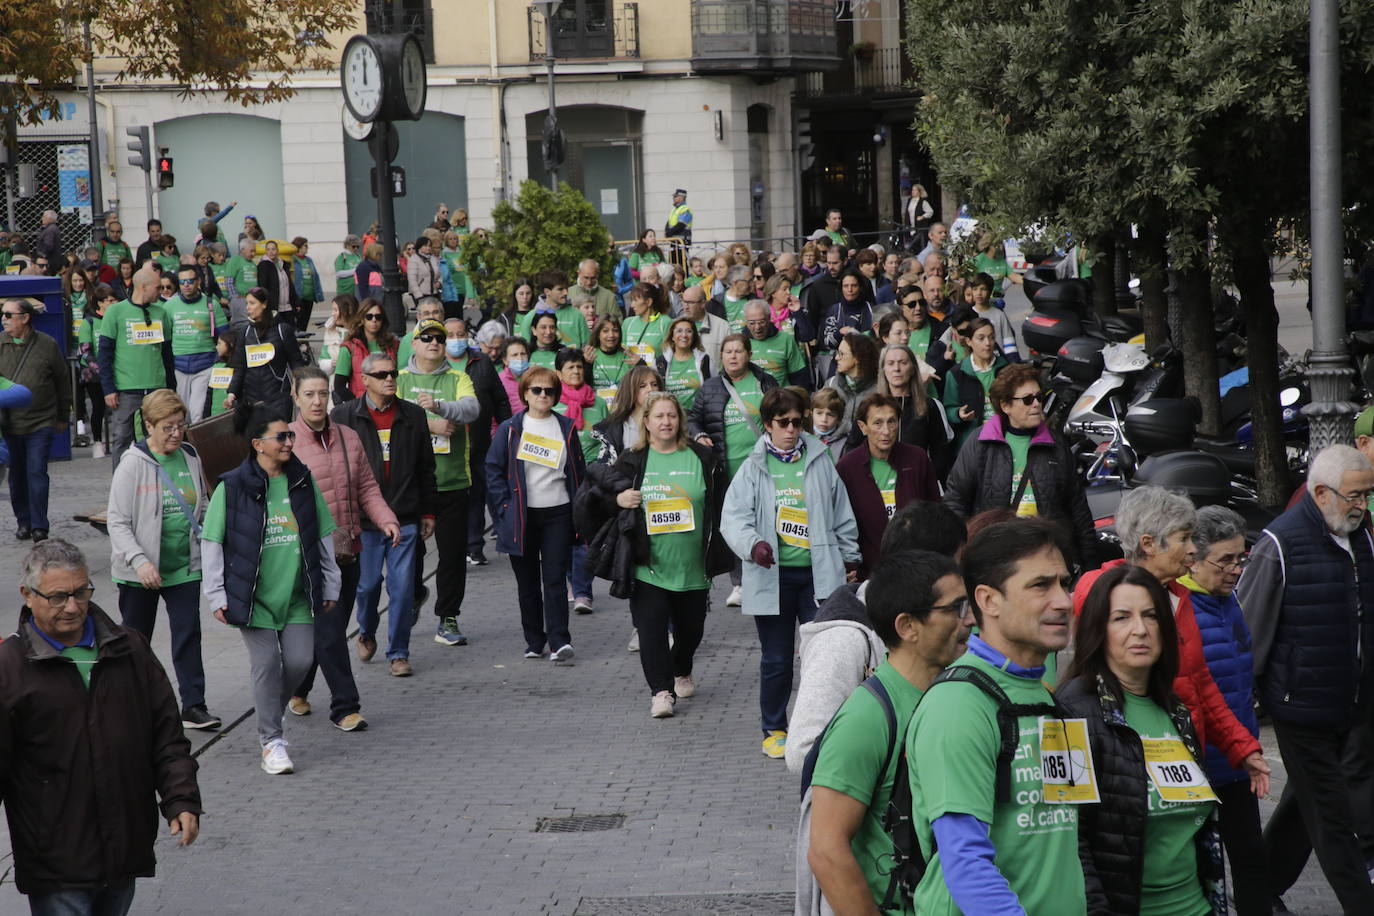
1231	659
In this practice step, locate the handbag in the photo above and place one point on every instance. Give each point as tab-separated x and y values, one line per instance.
346	534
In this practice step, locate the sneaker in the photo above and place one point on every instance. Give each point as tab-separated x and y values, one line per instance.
534	653
775	744
735	599
661	706
582	605
199	717
367	647
634	641
448	633
400	667
563	654
98	450
299	706
81	441
421	595
275	760
477	558
39	534
353	722
684	687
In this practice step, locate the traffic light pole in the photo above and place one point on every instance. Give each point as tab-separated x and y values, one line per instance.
386	216
97	196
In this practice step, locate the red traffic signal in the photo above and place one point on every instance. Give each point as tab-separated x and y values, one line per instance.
164	172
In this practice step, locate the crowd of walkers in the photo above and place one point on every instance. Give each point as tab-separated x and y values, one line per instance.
849	435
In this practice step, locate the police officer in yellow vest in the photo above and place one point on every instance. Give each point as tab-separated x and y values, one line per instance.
679	223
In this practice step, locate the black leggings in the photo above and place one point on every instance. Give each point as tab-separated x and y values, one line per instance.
653	608
96	416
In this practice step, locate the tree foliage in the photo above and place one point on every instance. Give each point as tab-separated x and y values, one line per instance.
246	52
540	229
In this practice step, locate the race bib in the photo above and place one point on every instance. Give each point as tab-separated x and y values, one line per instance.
670	516
607	394
890	501
440	443
260	354
143	335
384	436
1066	763
540	450
643	351
793	527
221	377
1175	773
76	326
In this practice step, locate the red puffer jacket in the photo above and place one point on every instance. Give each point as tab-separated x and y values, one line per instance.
323	452
1213	719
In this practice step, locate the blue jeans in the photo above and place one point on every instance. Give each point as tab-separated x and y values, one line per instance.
778	640
29	477
581	579
114	900
400	589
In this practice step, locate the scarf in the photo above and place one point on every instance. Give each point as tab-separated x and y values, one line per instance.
786	457
834	435
578	400
779	316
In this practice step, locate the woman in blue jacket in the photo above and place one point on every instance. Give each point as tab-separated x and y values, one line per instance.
1219	536
534	468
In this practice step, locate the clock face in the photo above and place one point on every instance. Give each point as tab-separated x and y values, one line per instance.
358	130
362	80
413	77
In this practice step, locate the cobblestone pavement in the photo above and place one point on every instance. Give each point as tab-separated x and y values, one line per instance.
434	808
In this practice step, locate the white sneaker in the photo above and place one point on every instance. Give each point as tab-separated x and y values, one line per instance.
275	760
684	687
634	641
562	655
98	450
735	599
661	706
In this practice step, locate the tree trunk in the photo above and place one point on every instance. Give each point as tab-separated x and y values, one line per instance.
1151	257
1104	274
1199	344
1250	263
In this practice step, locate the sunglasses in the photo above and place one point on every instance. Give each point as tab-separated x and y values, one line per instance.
374	316
280	438
1028	400
11	314
541	390
383	375
187	281
429	338
786	422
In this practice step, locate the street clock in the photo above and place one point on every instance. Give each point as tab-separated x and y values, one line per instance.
383	78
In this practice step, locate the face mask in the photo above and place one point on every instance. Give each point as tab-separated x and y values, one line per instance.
518	366
456	347
820	430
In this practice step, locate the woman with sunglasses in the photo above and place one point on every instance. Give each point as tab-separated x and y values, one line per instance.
1149	841
264	358
269	524
787	517
370	333
534	468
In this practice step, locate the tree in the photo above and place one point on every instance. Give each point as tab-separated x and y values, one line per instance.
247	52
539	230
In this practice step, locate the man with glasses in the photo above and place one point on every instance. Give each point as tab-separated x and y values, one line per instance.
712	328
773	350
135	350
31	358
1308	596
588	273
103	746
196	323
395	435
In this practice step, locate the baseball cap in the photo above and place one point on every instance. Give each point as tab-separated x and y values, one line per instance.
818	235
429	324
1364	423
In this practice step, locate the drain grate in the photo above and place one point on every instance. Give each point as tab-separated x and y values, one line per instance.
781	904
579	823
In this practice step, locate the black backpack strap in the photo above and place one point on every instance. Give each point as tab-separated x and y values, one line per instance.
879	691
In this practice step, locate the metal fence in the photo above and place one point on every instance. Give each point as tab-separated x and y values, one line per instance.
28	211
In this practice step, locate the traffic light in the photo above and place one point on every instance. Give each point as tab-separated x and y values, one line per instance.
164	171
142	153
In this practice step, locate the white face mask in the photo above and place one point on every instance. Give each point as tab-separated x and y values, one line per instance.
820	430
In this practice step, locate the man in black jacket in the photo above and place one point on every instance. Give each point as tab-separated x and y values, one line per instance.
31	358
395	435
82	756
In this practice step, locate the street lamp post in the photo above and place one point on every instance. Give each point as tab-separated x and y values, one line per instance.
1329	368
552	145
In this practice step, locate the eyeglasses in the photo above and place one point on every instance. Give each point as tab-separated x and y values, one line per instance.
166	287
373	316
1354	499
1028	400
786	422
383	375
170	429
429	338
957	608
187	281
58	600
541	390
1239	562
280	438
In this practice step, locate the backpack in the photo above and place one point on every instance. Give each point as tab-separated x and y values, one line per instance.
909	866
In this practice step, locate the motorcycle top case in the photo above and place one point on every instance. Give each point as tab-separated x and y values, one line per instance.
1203	477
1081	359
1161	425
1065	296
1046	330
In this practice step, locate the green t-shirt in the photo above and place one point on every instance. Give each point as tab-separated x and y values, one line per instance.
572	326
1169	884
674	492
220	377
607	371
138	335
952	746
985	377
281	596
243	271
920	340
545	358
885	476
405	349
454	258
742	429
76	305
778	355
853	761
346	261
168	262
343	357
174	554
221	274
307	278
190	323
591	415
111	252
84	658
452	454
638	260
997	268
643	337
789	485
734	313
684	380
1020	446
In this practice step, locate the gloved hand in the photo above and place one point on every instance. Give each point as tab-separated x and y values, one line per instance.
762	554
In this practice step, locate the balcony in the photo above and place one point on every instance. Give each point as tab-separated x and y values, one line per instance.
763	37
587	29
884	71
